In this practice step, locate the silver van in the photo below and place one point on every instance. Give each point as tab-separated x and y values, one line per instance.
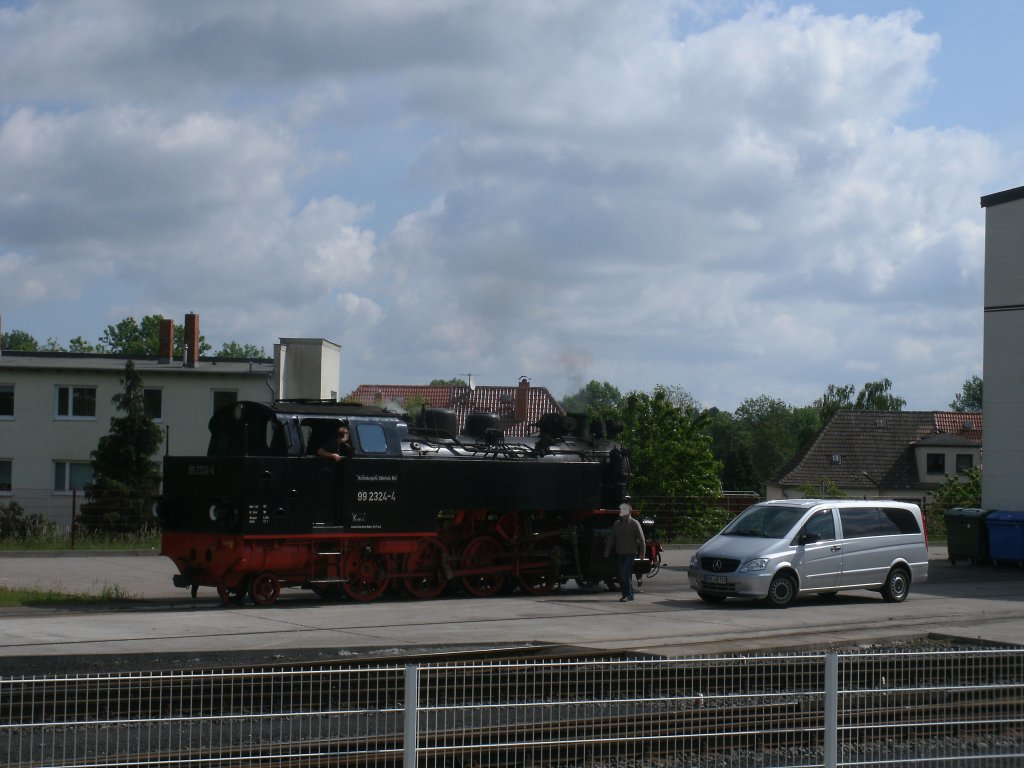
777	550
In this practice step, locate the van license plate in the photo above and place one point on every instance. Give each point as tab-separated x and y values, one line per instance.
714	580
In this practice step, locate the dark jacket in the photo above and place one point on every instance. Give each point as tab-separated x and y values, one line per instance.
626	538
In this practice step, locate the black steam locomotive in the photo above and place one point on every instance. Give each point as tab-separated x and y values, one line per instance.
416	507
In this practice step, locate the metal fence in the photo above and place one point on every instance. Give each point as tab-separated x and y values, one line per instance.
59	517
818	709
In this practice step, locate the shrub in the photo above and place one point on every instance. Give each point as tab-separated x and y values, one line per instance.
15	525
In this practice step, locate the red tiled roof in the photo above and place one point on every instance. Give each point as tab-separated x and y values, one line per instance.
966	425
464	401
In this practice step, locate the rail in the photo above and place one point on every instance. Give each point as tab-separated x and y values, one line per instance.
962	707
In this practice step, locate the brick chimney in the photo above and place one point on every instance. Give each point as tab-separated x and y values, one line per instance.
191	339
166	354
523	399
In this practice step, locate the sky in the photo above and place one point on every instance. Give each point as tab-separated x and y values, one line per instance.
738	199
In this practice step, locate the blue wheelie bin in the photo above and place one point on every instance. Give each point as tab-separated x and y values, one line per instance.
1006	537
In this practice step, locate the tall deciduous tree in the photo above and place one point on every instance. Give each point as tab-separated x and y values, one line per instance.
125	475
669	454
876	396
597	398
133	337
234	349
969	399
19	341
835	399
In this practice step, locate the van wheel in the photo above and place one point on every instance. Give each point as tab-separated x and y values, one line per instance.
782	591
708	597
897	585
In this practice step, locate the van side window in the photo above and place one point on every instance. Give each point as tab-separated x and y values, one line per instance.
859	522
874	521
823	524
902	519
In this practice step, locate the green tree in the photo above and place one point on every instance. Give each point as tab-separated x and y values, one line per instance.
969	399
245	351
78	344
774	432
453	382
125	475
133	337
835	399
955	492
597	398
823	488
876	396
669	454
19	341
731	445
130	337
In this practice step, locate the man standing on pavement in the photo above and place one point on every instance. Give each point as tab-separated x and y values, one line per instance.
627	539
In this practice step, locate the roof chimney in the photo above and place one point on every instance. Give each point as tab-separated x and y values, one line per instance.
191	339
166	354
523	399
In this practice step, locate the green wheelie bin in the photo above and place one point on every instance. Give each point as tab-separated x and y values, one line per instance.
966	534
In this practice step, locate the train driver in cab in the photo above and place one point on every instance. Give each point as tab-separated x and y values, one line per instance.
335	445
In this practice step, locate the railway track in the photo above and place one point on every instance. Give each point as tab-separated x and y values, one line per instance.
510	711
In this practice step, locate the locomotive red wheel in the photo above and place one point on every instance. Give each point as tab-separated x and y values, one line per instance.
482	552
231	594
426	562
365	574
538	572
264	589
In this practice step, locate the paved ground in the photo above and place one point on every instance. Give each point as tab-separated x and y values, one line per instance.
974	602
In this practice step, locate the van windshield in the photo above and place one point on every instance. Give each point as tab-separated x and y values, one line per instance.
764	521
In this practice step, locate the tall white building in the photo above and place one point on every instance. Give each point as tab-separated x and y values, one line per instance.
1002	486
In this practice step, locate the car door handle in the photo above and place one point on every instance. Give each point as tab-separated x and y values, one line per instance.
836	547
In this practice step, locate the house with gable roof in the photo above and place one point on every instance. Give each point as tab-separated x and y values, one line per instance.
519	408
903	455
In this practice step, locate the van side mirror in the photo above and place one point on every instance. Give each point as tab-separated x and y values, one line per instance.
809	538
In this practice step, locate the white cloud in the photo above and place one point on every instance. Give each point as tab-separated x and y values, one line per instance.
643	193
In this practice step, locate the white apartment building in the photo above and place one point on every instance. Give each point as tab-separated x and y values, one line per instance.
55	406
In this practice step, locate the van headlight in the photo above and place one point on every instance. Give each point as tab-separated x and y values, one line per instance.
695	560
754	565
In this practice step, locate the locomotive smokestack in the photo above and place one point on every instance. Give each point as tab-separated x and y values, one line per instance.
191	339
166	354
523	399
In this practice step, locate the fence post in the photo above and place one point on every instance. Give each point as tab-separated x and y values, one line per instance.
831	710
412	707
74	515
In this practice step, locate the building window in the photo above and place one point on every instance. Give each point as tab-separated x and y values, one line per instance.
222	397
935	464
964	461
154	403
76	402
71	475
6	401
5	475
